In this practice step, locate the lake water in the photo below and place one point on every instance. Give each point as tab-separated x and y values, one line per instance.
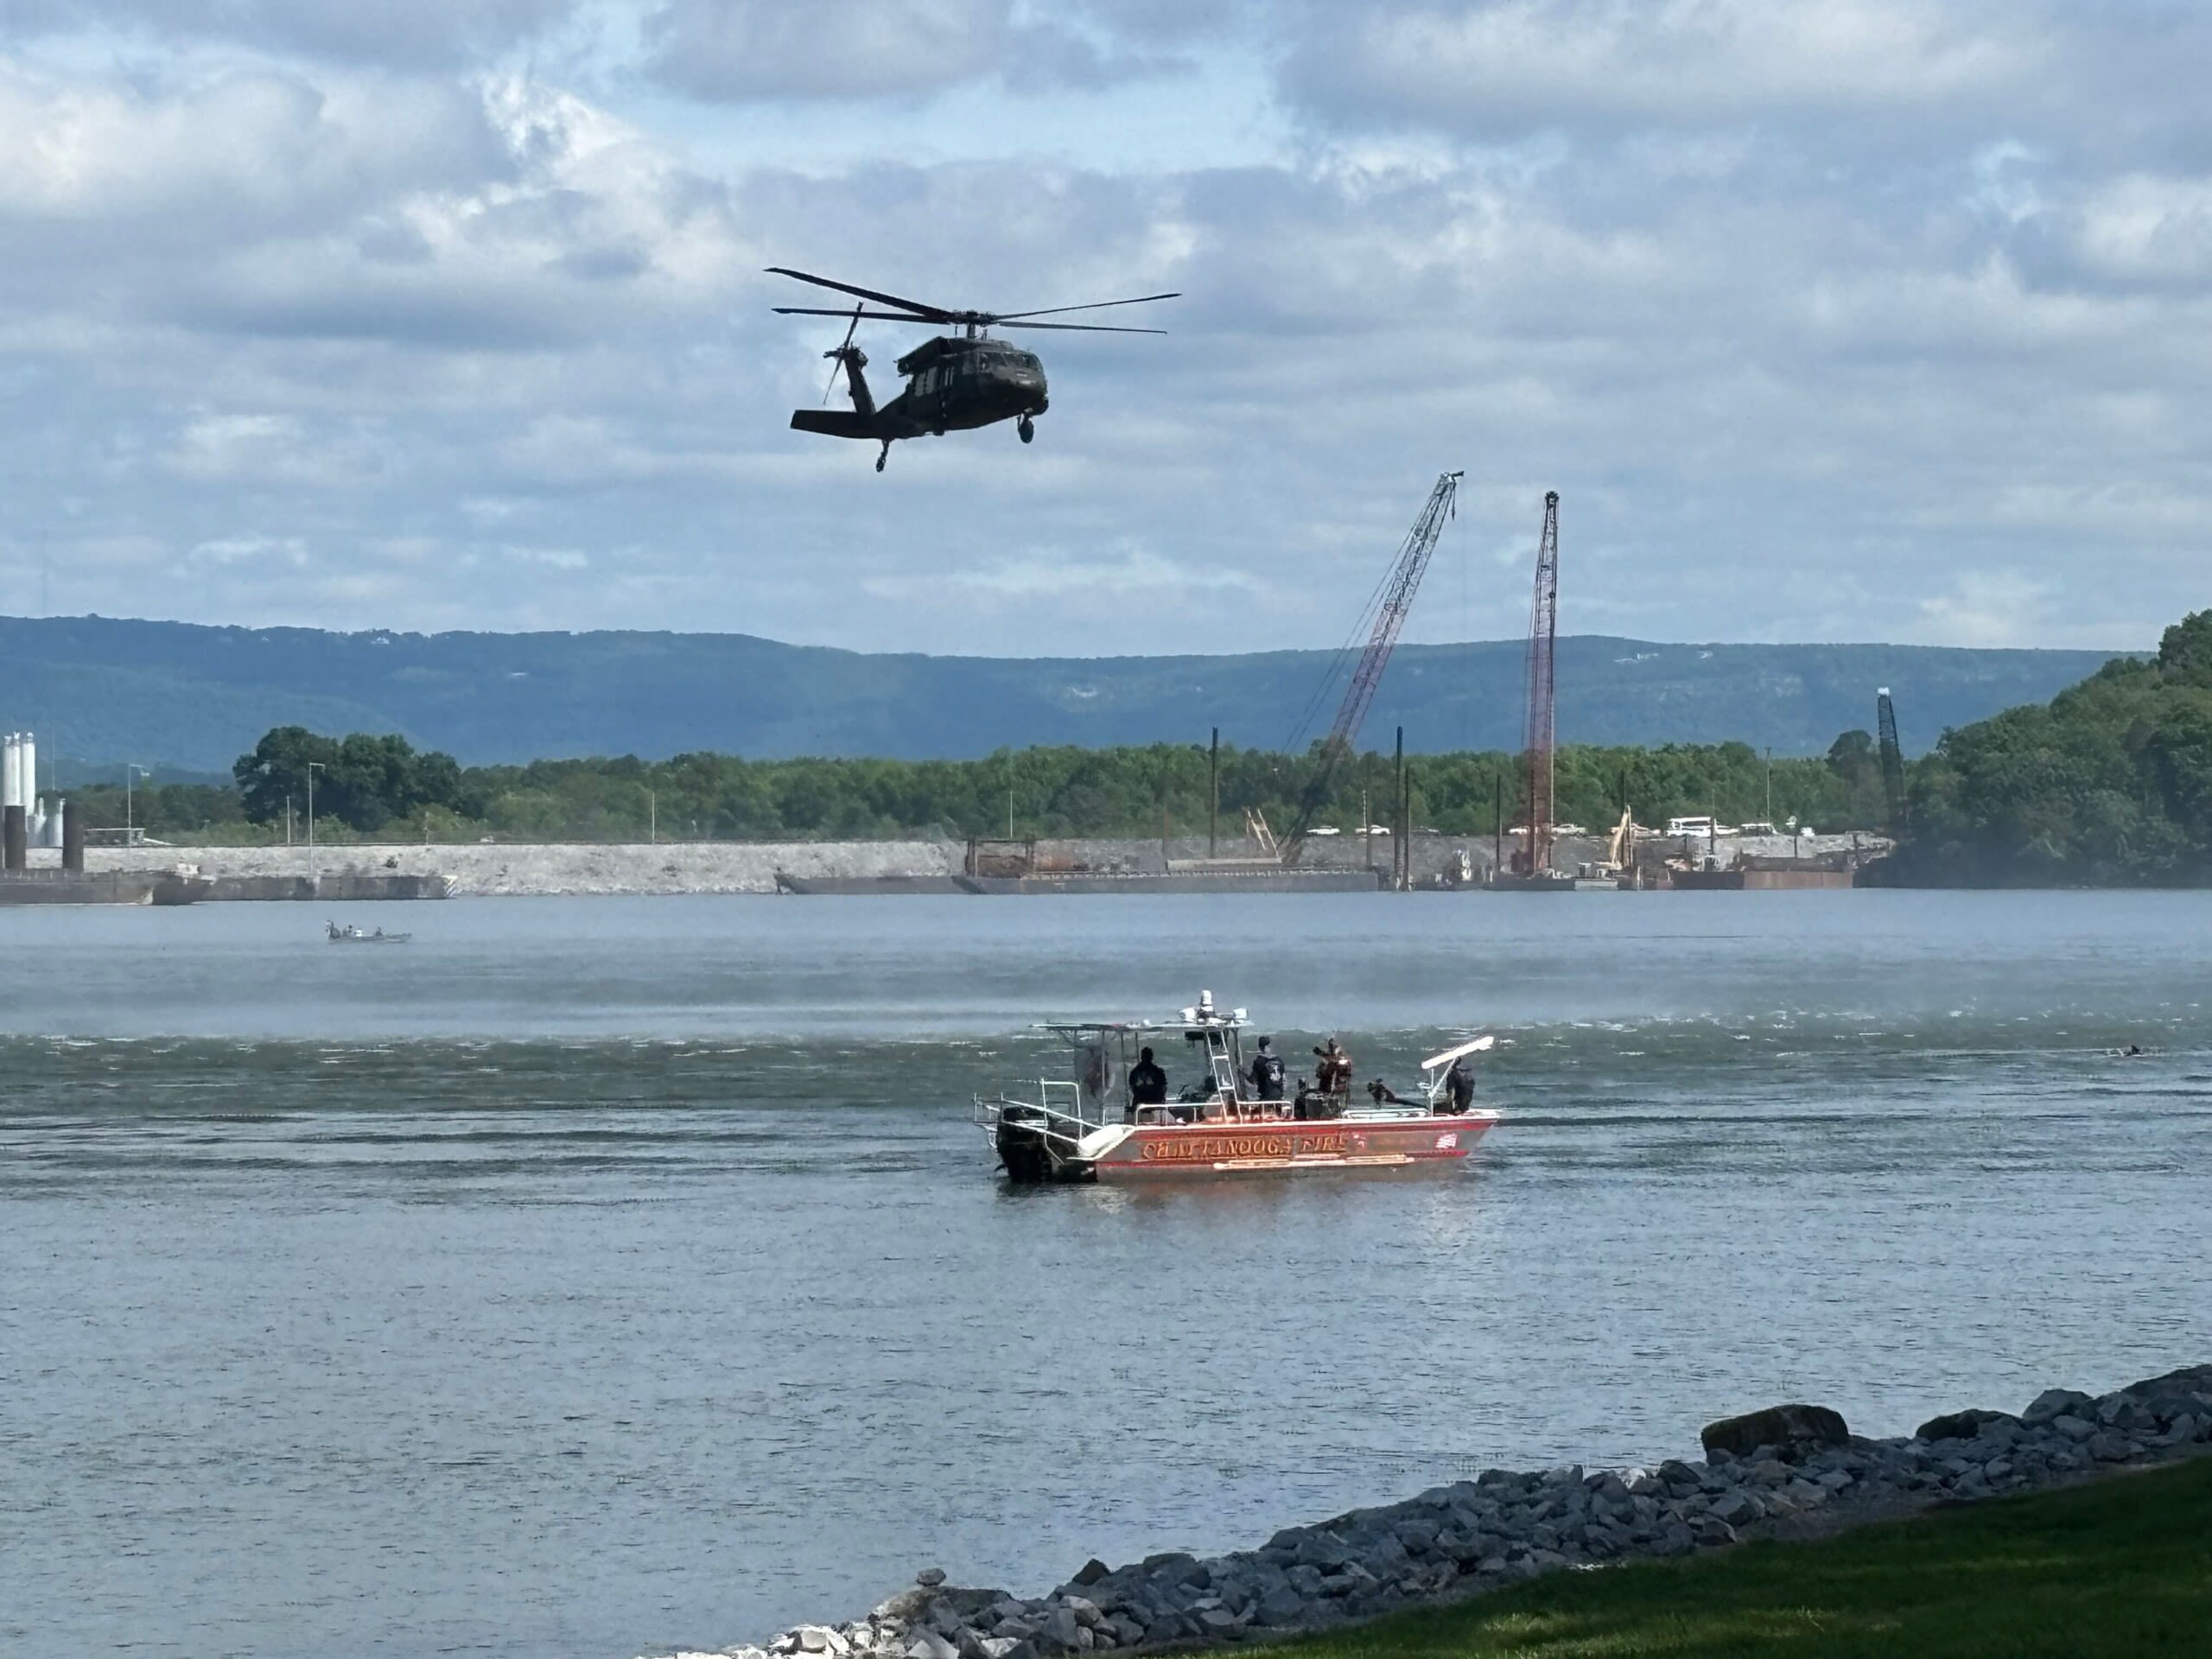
596	1277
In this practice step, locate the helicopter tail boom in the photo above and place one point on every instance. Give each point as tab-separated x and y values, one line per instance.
835	422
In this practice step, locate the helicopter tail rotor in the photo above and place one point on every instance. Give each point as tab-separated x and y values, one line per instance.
841	355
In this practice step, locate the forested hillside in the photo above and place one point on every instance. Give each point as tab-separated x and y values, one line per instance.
175	696
2108	784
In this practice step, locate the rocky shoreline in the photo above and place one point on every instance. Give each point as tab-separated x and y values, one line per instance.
1785	1472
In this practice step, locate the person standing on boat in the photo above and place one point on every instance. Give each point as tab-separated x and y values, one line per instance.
1458	1096
1267	1071
1148	1083
1333	1075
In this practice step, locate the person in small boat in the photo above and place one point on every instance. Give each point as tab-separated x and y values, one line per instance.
1459	1093
1148	1083
1382	1094
1267	1071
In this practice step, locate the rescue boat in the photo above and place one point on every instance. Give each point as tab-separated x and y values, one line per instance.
1089	1126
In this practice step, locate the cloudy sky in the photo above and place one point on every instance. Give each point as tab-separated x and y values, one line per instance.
1848	321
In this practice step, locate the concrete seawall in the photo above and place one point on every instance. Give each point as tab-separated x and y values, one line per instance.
514	869
504	870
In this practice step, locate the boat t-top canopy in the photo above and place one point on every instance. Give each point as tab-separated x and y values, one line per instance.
1101	1028
1451	1054
1205	1015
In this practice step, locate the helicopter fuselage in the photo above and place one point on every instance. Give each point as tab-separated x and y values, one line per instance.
954	383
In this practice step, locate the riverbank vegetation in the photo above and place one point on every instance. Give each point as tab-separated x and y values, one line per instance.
2109	784
379	787
2117	1569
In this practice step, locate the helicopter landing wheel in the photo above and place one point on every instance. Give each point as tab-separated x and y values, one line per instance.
1026	428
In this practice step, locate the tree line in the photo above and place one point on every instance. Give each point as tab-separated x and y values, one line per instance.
2109	784
381	787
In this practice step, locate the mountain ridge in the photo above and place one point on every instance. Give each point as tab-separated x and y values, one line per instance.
105	690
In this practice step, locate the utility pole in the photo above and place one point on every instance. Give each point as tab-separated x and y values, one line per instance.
1497	827
314	766
288	819
1366	831
129	821
1010	814
1213	796
1398	836
1406	833
1769	784
652	819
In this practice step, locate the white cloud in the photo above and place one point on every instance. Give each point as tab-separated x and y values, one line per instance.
1810	315
1993	607
1509	64
416	34
2150	228
834	48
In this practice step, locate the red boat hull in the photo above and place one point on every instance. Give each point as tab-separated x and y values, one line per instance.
1152	1151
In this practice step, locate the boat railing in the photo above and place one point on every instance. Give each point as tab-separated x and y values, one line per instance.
1068	1124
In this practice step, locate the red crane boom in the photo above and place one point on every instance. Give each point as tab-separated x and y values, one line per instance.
1397	598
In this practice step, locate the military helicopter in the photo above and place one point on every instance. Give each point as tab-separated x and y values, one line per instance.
954	382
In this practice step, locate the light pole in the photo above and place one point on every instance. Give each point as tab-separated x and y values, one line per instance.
314	766
130	830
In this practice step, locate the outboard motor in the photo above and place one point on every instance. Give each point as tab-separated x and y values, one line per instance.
1022	1146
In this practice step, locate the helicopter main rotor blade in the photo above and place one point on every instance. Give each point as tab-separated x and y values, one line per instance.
1095	305
833	311
1081	328
932	313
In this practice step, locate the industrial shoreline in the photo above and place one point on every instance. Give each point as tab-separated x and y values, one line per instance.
416	869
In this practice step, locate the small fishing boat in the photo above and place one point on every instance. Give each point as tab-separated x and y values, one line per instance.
1090	1126
350	934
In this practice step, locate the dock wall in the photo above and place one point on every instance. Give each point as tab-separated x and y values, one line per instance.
397	870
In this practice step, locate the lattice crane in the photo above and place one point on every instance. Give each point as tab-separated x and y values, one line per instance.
1886	722
1538	756
1397	596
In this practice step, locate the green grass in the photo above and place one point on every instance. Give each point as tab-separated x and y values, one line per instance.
2123	1567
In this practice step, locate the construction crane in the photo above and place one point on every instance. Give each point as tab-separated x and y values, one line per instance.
1539	757
1885	721
1394	599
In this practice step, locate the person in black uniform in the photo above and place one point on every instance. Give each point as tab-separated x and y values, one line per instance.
1266	1072
1458	1089
1148	1083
